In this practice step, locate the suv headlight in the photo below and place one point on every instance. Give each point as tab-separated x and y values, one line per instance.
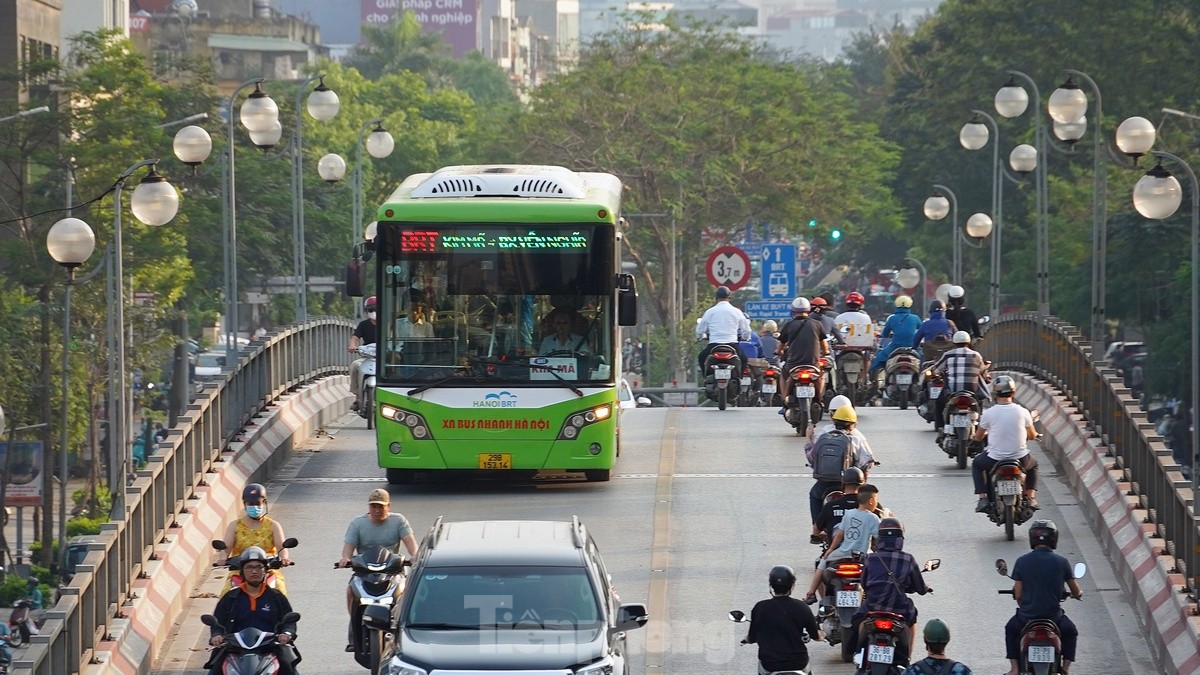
399	667
602	667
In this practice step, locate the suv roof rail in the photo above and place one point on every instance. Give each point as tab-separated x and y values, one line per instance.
579	534
435	532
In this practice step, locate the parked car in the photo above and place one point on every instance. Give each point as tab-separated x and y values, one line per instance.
77	550
209	365
626	399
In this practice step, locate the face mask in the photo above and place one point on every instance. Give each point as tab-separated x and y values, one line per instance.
371	315
255	512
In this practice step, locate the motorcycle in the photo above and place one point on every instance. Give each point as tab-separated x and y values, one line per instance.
366	394
1041	643
378	582
770	386
931	386
962	416
249	651
902	369
738	616
852	364
886	639
720	368
802	407
1009	506
753	379
273	564
23	623
835	614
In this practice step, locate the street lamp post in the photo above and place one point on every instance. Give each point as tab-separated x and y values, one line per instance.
379	145
323	105
911	275
70	242
936	208
1158	195
26	113
973	136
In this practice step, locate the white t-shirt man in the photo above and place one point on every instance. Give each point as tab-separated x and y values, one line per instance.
860	331
1007	425
724	323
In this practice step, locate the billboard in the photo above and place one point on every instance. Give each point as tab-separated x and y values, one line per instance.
457	21
24	469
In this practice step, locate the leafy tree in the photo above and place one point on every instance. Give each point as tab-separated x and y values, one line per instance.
397	46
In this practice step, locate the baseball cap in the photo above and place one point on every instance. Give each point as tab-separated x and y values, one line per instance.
379	496
937	631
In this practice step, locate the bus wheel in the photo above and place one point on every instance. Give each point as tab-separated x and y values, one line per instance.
598	475
399	477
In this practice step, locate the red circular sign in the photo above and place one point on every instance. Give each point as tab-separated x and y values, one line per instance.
728	266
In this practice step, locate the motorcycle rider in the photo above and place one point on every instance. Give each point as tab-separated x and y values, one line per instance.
936	325
802	342
832	512
937	636
960	314
768	343
889	575
254	604
901	326
855	534
1038	578
856	323
255	528
377	527
821	312
365	333
725	325
963	369
1007	426
778	625
845	420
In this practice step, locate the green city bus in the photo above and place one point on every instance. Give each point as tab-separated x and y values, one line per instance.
500	302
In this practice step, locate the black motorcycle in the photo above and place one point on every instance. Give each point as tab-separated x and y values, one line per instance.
885	642
722	375
251	651
378	582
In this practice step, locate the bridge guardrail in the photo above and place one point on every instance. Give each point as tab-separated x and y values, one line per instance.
1057	353
89	609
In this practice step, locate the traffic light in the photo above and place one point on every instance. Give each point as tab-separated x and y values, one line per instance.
835	235
812	222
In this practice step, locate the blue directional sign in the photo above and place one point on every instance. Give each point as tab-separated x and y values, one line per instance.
761	310
778	268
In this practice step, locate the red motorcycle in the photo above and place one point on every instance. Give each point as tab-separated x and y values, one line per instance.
802	406
23	623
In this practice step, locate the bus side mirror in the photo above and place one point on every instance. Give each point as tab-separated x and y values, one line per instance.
354	278
626	300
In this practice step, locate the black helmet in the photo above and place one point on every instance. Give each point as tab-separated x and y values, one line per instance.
1004	386
252	553
890	527
723	291
937	306
853	476
782	579
254	493
1043	533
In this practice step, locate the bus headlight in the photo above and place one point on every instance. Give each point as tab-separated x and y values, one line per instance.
578	420
416	424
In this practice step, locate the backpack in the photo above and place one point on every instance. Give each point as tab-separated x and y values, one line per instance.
831	455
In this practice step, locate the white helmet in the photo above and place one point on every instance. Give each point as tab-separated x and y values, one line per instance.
955	292
961	337
801	304
838	401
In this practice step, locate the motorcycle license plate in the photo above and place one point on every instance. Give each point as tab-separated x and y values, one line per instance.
960	421
904	378
1040	654
1008	488
935	392
768	388
848	598
745	382
806	392
722	374
495	460
881	653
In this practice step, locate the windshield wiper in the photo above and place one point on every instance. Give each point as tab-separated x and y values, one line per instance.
437	383
443	626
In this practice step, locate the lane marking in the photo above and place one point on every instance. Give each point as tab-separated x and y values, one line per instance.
638	476
656	637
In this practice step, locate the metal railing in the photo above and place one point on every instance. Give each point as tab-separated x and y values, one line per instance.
90	607
1056	352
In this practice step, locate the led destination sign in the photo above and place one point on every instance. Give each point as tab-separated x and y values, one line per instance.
434	241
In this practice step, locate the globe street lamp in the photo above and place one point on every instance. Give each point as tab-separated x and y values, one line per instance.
1012	101
70	242
1158	195
322	105
973	136
379	145
936	208
331	167
909	278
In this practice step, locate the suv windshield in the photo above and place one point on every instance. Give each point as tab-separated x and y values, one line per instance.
519	597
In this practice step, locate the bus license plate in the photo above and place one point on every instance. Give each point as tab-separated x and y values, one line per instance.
722	373
881	653
1008	488
848	598
768	388
495	460
935	392
960	421
904	378
745	382
806	392
1040	654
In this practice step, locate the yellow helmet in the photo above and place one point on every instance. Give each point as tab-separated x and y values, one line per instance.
845	414
903	301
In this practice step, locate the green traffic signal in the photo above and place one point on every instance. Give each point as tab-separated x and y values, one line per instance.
812	223
835	235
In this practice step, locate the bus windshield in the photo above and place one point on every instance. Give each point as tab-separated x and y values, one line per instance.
505	303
